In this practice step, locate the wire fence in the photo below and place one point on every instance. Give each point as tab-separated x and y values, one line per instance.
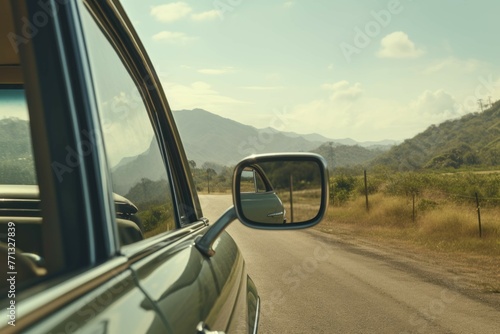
425	196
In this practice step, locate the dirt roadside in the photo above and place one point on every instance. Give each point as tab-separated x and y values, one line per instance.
476	276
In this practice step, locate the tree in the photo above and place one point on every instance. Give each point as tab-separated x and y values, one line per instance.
210	174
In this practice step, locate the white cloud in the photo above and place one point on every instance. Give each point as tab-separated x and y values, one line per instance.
493	89
343	90
170	12
199	94
398	45
125	113
487	88
454	64
172	36
337	114
206	16
263	87
179	10
350	110
347	111
438	105
216	71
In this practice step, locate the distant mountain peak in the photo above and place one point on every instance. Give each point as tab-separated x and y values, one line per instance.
208	137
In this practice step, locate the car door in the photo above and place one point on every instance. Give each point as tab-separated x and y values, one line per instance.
67	276
119	211
188	289
259	200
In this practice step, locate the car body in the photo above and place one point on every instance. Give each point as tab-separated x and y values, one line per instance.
259	200
96	274
101	229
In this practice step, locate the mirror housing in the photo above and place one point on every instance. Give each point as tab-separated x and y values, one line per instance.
266	208
253	163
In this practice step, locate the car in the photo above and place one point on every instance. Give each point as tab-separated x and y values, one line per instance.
101	228
259	200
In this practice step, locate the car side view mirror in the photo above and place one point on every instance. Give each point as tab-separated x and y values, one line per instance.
281	191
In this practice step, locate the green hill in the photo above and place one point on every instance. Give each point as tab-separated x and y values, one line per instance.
346	155
471	141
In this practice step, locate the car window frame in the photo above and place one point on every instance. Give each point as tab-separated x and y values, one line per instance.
58	107
67	205
66	70
131	67
130	49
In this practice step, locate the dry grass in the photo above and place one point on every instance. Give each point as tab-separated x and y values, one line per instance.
442	226
306	204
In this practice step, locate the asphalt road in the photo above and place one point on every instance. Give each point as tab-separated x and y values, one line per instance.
311	282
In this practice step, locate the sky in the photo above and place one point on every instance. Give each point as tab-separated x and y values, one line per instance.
366	70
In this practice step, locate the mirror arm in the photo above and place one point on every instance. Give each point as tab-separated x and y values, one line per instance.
204	243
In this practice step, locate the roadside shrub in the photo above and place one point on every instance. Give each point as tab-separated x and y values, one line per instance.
392	211
374	185
341	196
343	188
426	205
406	183
450	223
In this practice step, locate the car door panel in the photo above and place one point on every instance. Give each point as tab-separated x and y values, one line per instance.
229	272
117	306
189	288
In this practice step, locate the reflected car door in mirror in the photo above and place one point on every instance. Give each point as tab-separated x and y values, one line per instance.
259	200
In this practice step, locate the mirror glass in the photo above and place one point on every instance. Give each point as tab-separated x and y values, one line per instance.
281	192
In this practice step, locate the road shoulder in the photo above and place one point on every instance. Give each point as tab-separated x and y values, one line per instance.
474	276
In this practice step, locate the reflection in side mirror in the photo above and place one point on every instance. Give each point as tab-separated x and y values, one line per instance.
259	200
287	189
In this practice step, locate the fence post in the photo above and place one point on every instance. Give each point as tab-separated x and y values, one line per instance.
331	194
478	208
291	198
208	180
366	193
413	212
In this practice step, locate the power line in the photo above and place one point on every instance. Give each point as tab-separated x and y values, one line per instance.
480	101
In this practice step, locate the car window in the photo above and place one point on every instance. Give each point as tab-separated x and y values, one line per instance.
251	181
140	182
16	159
21	244
259	184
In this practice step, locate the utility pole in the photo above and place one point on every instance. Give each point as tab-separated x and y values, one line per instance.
489	99
366	193
208	179
480	101
291	198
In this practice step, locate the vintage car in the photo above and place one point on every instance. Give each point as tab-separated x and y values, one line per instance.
101	229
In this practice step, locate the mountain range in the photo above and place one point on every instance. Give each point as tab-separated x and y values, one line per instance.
211	138
470	141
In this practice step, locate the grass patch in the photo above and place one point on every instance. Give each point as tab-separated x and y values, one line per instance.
438	225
